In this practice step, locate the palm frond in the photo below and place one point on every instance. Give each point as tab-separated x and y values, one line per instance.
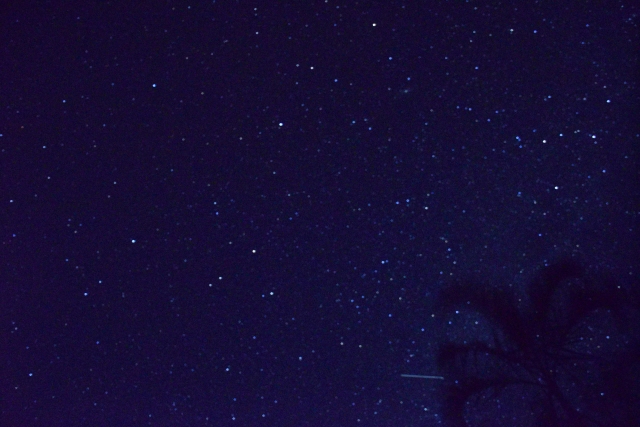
539	347
496	305
457	395
547	283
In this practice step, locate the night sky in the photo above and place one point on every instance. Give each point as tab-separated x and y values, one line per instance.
233	213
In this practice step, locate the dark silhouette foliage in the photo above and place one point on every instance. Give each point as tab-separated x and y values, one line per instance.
567	356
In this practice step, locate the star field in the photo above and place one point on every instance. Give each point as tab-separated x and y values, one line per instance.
239	214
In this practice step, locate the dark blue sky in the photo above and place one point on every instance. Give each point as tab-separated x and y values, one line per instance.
238	214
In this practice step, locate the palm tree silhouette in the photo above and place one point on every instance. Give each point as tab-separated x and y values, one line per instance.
550	356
